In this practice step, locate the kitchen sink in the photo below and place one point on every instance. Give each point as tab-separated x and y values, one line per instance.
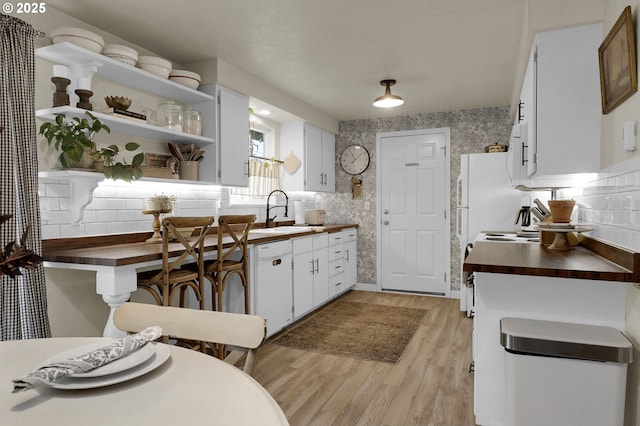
281	230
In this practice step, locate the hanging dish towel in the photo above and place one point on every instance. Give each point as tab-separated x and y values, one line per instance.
83	363
291	163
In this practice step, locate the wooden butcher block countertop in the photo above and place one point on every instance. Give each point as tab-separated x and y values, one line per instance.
129	249
592	260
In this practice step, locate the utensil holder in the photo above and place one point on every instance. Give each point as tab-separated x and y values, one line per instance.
188	170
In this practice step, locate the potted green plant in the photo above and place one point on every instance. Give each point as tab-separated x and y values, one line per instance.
74	141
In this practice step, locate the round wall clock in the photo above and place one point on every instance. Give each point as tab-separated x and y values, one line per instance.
354	159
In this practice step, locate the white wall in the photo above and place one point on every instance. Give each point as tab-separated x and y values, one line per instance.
613	203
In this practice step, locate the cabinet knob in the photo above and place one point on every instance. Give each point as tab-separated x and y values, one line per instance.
385	222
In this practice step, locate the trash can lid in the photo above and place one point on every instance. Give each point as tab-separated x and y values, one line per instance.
564	340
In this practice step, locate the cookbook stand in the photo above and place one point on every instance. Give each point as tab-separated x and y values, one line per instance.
156	237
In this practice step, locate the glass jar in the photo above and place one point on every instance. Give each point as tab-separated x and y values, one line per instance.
191	122
170	116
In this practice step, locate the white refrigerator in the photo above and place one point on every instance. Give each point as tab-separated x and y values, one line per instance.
485	201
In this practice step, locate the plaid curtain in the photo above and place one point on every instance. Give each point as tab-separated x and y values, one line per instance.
23	301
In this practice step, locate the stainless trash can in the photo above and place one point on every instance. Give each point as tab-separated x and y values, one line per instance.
564	374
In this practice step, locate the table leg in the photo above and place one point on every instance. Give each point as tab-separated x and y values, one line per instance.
115	285
110	329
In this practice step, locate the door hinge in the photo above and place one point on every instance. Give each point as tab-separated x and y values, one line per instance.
445	277
445	150
445	215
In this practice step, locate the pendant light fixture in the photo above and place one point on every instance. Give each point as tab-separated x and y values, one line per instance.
388	100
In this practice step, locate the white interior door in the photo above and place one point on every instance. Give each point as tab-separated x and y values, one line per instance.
413	219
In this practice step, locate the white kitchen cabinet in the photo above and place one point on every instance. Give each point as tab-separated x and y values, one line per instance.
581	301
321	269
561	103
303	273
350	252
316	149
336	264
230	111
310	273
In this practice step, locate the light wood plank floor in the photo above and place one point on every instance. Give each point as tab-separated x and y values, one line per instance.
430	385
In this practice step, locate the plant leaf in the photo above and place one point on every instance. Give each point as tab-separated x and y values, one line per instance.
132	146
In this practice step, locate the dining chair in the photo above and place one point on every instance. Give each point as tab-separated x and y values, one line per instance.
163	283
244	333
232	257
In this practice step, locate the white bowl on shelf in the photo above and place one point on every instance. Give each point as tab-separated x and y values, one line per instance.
186	78
121	53
155	65
79	37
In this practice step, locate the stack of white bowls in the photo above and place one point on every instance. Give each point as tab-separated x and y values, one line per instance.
186	78
155	65
79	37
121	53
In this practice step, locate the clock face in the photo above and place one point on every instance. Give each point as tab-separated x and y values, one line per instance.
354	159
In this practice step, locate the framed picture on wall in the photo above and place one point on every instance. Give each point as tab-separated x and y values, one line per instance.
617	57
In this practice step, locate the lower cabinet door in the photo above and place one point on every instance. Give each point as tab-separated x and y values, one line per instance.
303	271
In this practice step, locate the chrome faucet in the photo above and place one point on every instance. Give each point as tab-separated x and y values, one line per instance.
269	220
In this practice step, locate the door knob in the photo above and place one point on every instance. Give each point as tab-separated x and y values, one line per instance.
386	211
385	222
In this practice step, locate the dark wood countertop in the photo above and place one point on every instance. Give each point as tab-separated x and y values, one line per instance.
129	249
593	260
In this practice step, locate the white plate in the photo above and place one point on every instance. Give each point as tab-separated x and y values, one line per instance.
162	353
126	362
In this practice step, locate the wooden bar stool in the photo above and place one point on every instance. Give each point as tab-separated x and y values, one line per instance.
233	232
162	284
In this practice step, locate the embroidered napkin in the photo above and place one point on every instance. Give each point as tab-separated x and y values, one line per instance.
86	362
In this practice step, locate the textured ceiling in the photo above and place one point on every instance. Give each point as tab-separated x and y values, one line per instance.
331	54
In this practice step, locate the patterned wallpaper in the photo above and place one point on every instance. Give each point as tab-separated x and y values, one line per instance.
471	131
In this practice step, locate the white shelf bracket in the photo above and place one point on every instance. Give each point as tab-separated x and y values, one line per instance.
81	195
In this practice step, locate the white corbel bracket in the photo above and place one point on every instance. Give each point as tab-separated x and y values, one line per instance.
81	195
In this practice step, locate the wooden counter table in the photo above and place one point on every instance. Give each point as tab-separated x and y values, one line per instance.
117	259
593	261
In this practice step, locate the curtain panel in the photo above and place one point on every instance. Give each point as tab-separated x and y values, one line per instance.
23	300
264	177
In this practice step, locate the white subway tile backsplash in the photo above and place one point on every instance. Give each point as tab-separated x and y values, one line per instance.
114	204
117	208
117	227
106	215
57	190
96	228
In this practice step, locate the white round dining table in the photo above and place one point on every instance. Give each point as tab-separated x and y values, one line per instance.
190	388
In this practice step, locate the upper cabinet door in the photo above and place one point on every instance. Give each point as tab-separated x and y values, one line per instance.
314	170
564	136
329	161
316	150
233	131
